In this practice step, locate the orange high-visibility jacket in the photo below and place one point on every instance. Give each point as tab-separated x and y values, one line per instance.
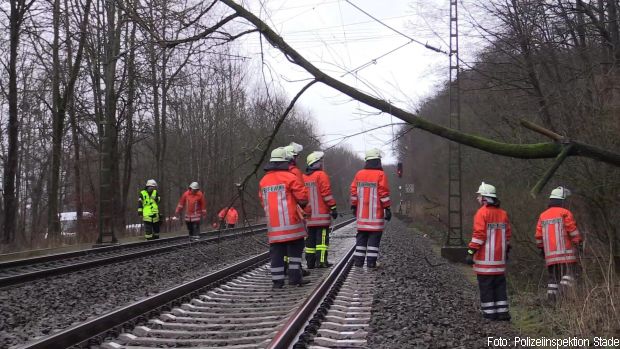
195	205
370	192
491	238
557	232
320	198
231	216
280	192
297	172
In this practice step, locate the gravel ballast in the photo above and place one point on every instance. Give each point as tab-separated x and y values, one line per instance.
43	307
422	301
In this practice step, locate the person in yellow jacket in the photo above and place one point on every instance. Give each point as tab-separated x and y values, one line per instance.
148	208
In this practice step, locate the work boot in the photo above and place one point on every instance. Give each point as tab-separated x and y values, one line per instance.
373	265
278	284
304	272
325	265
503	317
300	283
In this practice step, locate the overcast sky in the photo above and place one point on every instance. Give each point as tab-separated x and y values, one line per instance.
339	38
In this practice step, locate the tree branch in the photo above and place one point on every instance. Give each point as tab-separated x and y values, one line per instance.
275	132
551	171
521	151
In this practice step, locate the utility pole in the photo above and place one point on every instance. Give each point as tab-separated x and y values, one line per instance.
453	248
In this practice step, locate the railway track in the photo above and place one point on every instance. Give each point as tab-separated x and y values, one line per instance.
237	308
24	270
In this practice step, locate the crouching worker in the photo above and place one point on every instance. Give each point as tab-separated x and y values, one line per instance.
558	239
280	193
488	251
228	218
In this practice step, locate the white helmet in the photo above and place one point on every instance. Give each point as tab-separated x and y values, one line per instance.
559	193
279	155
487	190
314	157
194	185
373	153
294	148
151	183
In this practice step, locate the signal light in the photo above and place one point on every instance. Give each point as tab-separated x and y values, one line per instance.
399	169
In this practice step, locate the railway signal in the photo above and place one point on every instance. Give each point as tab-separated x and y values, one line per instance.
399	170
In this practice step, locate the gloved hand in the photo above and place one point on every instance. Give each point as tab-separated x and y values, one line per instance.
508	248
579	249
388	214
334	212
354	210
542	253
307	211
140	214
469	259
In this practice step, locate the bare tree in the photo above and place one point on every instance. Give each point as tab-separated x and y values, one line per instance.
60	104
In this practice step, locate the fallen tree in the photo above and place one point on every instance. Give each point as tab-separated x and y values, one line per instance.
560	148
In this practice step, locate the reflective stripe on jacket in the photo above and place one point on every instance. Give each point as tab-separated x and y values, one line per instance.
370	192
148	205
320	198
195	205
556	233
279	193
231	216
491	238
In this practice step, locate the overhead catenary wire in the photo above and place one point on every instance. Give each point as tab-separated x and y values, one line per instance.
425	44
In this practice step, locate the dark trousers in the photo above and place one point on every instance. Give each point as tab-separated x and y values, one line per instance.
561	279
493	297
193	228
367	245
292	249
151	230
317	246
224	225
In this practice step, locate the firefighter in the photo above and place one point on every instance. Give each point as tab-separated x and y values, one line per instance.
323	209
193	200
148	208
280	193
228	217
370	203
488	251
559	240
292	153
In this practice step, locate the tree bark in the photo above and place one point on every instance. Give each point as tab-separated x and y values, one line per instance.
18	9
129	137
59	109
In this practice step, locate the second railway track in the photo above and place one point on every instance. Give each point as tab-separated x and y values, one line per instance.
237	308
24	270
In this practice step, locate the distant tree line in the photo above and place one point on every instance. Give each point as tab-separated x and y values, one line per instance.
99	96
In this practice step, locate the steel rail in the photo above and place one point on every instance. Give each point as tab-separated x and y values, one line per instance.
289	333
82	333
104	260
23	262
